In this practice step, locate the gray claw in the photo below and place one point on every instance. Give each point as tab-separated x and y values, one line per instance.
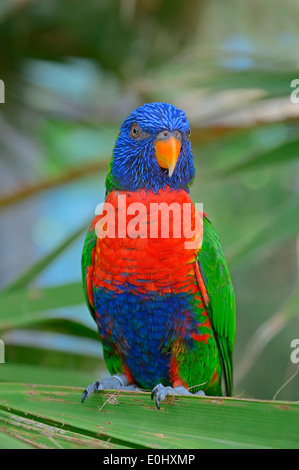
160	392
84	395
116	382
94	387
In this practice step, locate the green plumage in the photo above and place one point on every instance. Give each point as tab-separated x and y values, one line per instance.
221	308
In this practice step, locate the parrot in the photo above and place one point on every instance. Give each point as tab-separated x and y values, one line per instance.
163	303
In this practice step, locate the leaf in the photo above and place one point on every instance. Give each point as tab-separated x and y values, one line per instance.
265	334
65	326
69	175
41	374
281	225
274	81
22	432
34	270
185	422
24	307
10	440
283	153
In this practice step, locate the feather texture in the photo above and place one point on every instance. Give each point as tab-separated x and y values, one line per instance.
165	312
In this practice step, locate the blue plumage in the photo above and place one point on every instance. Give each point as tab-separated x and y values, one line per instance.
134	165
137	322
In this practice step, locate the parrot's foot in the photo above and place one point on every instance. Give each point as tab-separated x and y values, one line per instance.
115	382
160	392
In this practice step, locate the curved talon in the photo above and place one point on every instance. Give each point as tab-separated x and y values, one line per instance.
161	392
154	392
94	387
115	382
84	395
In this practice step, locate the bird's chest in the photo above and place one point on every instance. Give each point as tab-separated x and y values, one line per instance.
147	243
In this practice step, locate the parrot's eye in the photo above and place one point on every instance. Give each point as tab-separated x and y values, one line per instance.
135	131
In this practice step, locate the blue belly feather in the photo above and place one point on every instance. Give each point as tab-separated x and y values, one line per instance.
143	327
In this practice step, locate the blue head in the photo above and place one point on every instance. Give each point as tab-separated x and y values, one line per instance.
153	150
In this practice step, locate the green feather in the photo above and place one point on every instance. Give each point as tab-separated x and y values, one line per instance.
86	261
221	308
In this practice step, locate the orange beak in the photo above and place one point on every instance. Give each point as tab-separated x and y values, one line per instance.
167	153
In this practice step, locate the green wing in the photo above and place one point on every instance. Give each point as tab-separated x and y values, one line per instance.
87	264
221	306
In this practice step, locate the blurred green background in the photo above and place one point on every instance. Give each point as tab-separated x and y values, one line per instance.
73	71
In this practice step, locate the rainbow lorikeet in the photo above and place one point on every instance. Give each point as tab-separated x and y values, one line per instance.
165	310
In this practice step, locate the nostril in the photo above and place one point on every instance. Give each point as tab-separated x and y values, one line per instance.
166	134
